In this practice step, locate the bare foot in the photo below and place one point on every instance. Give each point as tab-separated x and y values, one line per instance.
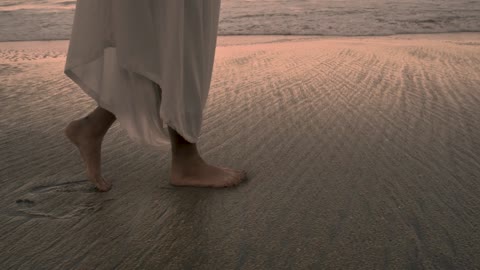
196	173
89	143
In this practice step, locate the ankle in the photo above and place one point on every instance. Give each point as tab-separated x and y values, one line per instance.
185	155
91	128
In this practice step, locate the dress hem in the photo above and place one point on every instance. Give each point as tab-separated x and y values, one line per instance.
69	73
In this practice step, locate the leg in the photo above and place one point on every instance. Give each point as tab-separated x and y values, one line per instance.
87	134
189	169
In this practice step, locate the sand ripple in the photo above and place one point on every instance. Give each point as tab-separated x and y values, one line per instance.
361	152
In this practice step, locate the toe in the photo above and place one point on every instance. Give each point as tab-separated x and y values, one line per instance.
104	188
234	180
103	184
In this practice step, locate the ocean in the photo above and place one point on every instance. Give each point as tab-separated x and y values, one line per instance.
52	19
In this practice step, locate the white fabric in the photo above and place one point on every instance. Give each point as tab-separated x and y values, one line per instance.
149	62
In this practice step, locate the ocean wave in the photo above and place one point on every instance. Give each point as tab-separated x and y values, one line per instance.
52	19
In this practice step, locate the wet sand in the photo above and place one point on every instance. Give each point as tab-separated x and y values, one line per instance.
362	153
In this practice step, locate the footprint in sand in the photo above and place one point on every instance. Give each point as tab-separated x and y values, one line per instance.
25	202
74	186
56	201
63	213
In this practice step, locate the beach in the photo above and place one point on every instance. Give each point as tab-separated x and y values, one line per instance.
361	153
28	20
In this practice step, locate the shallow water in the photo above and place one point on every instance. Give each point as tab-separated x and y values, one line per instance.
52	19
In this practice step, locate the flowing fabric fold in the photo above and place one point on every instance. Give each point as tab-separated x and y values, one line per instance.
149	62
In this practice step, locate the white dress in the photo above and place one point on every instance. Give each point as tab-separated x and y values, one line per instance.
149	62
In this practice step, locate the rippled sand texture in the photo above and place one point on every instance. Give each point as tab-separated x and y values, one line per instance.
361	152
